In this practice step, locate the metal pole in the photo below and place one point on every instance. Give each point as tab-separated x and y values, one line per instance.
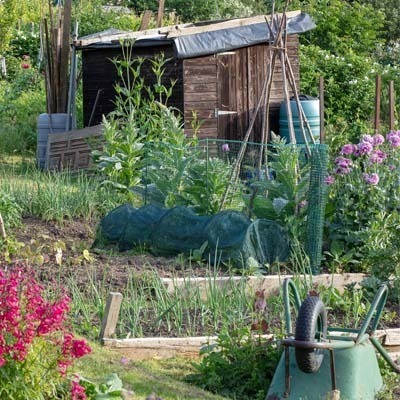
321	110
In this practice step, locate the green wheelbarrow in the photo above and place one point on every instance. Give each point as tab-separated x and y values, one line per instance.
321	362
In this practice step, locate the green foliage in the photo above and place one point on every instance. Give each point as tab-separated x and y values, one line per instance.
92	18
240	367
349	87
25	43
111	388
8	17
283	198
344	26
183	175
192	10
10	211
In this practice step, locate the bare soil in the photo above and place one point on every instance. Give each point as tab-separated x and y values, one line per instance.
75	238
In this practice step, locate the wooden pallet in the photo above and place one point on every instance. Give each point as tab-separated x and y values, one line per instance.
72	150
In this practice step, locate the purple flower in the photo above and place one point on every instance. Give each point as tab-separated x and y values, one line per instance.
342	170
377	139
367	139
330	180
393	138
377	157
225	147
365	148
348	149
372	179
392	167
343	162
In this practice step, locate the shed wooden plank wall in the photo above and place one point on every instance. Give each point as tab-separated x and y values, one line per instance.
232	82
99	73
200	86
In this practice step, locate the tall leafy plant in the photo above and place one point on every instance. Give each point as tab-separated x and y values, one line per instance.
284	197
141	116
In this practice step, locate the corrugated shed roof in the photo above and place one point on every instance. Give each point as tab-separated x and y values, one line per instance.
198	39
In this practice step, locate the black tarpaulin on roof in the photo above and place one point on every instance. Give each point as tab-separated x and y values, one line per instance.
211	42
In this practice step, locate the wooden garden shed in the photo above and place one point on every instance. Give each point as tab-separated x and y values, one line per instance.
219	68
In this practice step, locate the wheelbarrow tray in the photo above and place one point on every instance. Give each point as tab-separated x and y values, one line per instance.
356	369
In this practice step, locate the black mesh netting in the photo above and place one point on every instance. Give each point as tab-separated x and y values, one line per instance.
228	236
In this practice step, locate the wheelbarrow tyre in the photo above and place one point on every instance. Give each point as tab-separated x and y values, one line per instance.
311	323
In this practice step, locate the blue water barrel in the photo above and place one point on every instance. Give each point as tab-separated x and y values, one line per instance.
47	124
311	111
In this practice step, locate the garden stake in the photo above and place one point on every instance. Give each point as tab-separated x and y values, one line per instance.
321	110
377	103
2	229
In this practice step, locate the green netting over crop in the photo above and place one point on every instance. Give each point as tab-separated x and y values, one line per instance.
200	199
228	236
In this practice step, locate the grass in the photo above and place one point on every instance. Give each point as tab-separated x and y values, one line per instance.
162	377
56	196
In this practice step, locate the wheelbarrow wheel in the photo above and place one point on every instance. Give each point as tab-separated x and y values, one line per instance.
311	326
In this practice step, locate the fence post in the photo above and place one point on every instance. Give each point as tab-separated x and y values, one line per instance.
111	313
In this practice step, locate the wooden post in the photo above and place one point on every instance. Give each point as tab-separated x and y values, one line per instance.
321	110
160	13
377	103
145	20
2	229
391	105
111	312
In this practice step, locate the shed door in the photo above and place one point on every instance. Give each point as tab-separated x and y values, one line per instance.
226	111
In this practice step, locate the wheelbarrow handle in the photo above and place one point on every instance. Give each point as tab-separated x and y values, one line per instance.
289	286
375	311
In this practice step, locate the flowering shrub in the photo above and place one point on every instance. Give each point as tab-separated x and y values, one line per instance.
364	201
36	344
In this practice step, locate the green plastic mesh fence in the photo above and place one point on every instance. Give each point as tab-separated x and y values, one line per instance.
317	193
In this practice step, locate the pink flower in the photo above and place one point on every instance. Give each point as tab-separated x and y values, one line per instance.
25	57
77	391
330	180
348	149
25	65
365	148
377	139
371	179
225	148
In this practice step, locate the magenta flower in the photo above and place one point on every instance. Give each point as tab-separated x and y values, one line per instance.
365	148
225	147
377	139
371	179
343	162
348	149
393	138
